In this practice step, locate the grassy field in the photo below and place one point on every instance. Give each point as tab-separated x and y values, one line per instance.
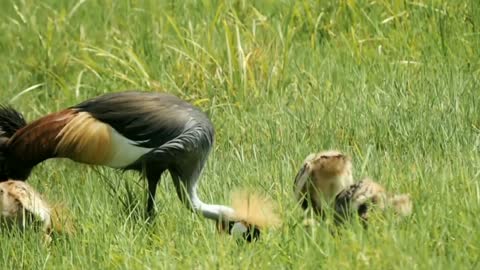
395	84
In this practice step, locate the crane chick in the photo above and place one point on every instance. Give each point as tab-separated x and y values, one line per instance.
21	205
322	176
364	196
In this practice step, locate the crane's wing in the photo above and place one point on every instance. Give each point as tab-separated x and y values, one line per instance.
149	119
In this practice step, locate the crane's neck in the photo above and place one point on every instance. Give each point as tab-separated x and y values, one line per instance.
186	181
211	211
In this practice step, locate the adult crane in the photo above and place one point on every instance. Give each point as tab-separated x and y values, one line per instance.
148	132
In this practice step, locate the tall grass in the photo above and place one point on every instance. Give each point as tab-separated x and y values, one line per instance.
392	83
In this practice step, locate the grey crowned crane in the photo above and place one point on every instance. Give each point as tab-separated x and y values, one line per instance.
148	132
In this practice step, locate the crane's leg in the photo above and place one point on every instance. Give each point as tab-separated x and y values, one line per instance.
185	158
153	175
186	188
187	193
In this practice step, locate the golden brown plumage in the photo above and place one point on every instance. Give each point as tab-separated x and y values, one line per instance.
322	176
85	139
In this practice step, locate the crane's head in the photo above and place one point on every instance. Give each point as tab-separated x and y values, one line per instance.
10	122
253	212
9	167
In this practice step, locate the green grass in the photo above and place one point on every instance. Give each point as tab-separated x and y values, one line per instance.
395	84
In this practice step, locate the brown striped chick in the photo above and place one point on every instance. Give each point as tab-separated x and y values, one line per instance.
21	205
364	196
322	176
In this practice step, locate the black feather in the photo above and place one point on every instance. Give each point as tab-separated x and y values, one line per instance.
10	121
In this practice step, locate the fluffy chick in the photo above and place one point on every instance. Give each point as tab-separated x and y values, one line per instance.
21	205
364	196
322	176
